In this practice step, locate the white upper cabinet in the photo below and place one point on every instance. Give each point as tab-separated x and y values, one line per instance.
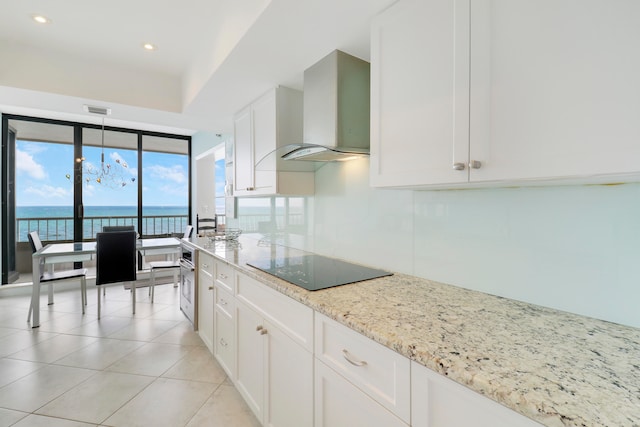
554	88
243	163
420	93
510	90
271	122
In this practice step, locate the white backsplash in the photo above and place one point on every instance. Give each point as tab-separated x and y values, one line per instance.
574	248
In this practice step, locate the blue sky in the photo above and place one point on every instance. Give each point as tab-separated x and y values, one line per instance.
44	176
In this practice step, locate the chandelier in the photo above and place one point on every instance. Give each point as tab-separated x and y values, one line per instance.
115	174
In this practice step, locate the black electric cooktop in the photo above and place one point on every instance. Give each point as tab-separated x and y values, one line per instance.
315	272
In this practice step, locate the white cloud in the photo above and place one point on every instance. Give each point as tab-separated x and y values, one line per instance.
89	190
26	164
49	192
174	173
117	158
177	190
33	147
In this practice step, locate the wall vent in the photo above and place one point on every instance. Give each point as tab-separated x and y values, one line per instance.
97	110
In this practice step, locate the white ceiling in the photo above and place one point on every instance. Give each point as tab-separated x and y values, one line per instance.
213	56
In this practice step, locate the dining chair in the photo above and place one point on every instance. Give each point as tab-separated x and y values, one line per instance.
53	276
206	225
165	265
116	260
109	228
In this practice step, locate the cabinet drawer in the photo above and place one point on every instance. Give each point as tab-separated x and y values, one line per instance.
294	318
340	403
205	265
224	302
224	347
378	371
225	276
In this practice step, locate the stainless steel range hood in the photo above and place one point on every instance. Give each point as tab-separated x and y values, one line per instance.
336	104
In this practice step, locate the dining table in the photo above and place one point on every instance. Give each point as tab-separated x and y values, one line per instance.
55	253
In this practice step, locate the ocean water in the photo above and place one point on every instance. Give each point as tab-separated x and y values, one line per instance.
56	222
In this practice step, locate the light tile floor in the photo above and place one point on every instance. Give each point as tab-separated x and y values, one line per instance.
147	369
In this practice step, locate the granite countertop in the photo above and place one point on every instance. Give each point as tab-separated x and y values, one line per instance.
558	368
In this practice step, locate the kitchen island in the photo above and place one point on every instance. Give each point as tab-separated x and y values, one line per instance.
557	368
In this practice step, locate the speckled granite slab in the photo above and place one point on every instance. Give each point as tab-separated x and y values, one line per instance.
557	368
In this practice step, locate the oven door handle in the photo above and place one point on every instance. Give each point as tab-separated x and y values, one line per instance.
186	265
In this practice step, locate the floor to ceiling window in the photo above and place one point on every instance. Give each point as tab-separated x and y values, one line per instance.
43	180
165	185
109	180
68	180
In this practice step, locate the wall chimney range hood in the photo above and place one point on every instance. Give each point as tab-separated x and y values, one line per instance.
336	102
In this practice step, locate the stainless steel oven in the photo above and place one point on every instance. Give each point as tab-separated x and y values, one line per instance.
188	286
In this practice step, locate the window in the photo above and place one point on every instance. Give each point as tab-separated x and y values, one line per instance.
67	180
109	180
165	186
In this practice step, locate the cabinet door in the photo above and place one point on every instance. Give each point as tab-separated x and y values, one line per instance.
420	93
250	358
437	401
205	299
554	88
289	380
340	403
243	160
224	345
264	134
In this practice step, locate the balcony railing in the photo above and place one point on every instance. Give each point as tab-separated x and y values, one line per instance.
61	228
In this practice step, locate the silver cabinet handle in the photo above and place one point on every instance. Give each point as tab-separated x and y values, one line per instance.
458	166
210	288
223	276
223	342
475	164
350	359
259	328
250	188
263	332
222	302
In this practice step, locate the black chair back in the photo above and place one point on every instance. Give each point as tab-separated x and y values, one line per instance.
110	228
115	257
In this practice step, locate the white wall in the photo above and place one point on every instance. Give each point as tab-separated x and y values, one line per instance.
1	210
574	248
200	144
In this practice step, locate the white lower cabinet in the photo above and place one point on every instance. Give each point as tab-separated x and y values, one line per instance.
297	368
289	381
224	346
380	373
250	358
205	299
437	401
274	371
340	403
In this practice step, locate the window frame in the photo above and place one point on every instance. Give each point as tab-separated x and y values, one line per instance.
77	202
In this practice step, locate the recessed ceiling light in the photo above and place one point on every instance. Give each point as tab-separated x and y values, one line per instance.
149	46
40	19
